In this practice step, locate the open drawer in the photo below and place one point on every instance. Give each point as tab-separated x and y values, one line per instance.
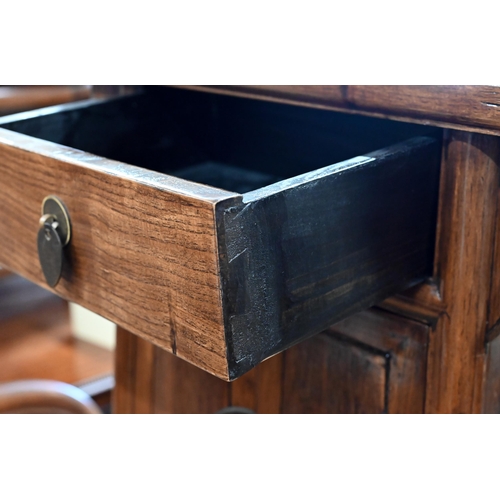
219	228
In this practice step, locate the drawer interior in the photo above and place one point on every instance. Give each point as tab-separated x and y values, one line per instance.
226	142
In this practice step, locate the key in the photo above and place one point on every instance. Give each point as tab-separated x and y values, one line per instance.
53	236
50	251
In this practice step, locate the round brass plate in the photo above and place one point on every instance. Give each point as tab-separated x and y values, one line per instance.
54	205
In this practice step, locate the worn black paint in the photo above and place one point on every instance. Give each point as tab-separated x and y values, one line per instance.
302	255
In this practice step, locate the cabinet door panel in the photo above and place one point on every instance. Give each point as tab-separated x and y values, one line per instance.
372	362
328	375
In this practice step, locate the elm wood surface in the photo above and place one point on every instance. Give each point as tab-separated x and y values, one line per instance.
151	380
404	345
465	186
261	389
491	396
15	98
132	392
456	304
468	107
143	252
422	303
154	253
463	266
463	306
124	262
373	362
327	375
171	385
494	302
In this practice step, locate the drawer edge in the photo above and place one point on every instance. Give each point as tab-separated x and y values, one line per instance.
160	181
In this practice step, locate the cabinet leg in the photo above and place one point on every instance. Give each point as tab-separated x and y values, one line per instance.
151	380
464	263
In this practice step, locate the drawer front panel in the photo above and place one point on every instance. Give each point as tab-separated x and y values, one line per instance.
140	255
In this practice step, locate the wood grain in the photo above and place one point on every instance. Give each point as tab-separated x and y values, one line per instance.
465	107
371	362
421	303
261	389
328	375
214	277
464	256
494	299
404	344
123	262
471	105
183	388
151	380
134	363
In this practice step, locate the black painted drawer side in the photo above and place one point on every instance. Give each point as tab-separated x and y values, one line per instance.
297	261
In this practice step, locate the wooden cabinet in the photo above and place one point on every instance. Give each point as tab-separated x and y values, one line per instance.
224	268
220	229
372	362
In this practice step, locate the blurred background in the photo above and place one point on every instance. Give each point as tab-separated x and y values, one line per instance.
41	335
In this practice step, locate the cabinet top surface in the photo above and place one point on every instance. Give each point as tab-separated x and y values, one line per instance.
465	107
